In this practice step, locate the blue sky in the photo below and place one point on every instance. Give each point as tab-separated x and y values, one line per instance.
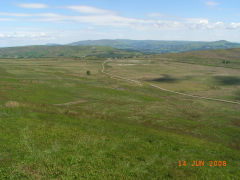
25	22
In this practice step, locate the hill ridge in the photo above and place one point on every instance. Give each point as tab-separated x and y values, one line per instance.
159	46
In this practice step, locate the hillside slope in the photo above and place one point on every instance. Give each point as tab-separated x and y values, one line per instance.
150	46
63	51
231	54
220	57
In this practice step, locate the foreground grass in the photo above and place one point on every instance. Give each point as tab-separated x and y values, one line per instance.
116	131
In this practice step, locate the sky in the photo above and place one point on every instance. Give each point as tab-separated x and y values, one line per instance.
32	22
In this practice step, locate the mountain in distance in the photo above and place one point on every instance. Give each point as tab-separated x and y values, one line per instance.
112	48
154	46
53	44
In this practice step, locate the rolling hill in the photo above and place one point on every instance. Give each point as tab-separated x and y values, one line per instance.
116	48
64	51
150	46
220	57
58	122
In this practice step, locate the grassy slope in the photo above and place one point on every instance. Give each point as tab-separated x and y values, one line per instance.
208	81
119	130
208	57
62	51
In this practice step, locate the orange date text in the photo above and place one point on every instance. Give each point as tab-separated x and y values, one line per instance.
200	163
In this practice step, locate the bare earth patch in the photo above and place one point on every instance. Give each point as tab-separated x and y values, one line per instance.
126	64
71	103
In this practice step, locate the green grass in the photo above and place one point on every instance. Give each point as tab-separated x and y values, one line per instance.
118	130
207	57
83	52
208	81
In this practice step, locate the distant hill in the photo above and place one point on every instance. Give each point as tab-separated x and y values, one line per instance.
122	48
53	44
221	57
150	46
64	51
231	54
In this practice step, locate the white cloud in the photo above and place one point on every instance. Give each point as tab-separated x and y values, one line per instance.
33	5
234	25
103	17
116	21
112	20
23	34
6	19
195	23
155	15
89	10
14	14
100	17
211	3
167	24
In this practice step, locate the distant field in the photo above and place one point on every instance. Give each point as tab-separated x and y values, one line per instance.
214	82
57	122
224	57
80	52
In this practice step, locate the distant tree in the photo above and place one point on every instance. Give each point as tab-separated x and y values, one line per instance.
88	73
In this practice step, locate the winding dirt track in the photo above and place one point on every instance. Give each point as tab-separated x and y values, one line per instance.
162	89
115	76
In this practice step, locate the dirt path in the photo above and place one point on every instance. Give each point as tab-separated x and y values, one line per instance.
71	103
162	89
118	77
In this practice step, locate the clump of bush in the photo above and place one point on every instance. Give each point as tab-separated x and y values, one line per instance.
226	62
88	73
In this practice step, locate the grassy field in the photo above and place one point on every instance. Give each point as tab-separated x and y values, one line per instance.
81	52
229	58
208	81
113	129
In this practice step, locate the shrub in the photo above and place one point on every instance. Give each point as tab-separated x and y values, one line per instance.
226	62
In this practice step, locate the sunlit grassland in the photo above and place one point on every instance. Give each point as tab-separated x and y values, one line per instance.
118	130
209	81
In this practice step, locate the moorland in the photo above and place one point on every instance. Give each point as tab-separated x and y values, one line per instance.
62	118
